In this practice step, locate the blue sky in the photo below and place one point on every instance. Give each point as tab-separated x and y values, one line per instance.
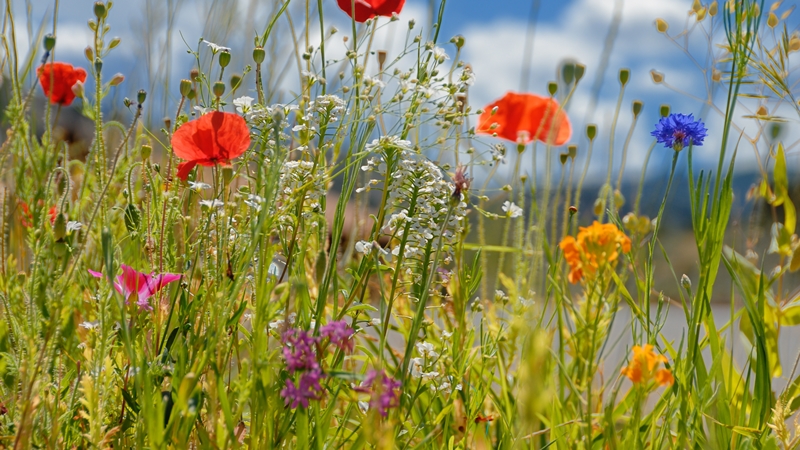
495	34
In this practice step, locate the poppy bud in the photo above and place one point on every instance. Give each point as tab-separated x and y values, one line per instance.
619	199
572	210
772	20
117	79
194	75
224	58
89	53
218	89
568	73
98	65
580	69
598	207
661	25
259	54
664	110
657	77
141	96
591	131
624	76
77	89
114	42
563	157
145	151
236	80
637	107
572	151
381	59
60	227
100	10
186	87
49	42
552	87
227	174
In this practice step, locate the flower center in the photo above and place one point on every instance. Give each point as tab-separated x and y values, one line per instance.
678	136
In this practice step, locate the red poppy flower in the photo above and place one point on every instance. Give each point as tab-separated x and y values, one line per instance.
214	138
62	76
362	10
526	117
26	218
53	213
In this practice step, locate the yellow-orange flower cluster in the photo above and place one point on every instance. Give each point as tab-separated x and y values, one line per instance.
596	247
642	367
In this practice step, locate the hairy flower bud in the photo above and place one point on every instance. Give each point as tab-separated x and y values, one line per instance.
146	151
49	42
77	89
117	79
89	53
98	65
186	87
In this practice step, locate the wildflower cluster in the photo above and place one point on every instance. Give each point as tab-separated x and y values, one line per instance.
642	367
596	248
299	352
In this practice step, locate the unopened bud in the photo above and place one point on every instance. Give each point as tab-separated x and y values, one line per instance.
598	207
77	89
258	55
60	227
568	73
224	58
701	14
381	59
49	42
619	199
572	210
458	40
624	76
563	157
772	20
117	79
235	81
89	53
552	87
218	89
661	25
657	77
712	8
194	75
186	87
167	123
141	96
146	151
114	42
572	151
100	10
580	69
664	110
591	131
686	282
98	65
637	107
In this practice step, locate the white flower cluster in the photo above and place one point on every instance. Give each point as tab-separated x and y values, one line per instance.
420	199
296	176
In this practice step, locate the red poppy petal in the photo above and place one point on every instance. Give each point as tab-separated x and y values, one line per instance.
387	7
184	168
359	10
526	116
215	136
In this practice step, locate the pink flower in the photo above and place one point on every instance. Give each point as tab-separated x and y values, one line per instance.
144	285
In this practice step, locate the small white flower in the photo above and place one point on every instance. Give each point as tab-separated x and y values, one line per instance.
201	109
426	349
513	211
90	325
276	325
74	225
416	367
458	387
254	201
216	48
447	334
198	186
212	203
364	406
363	247
440	54
243	104
375	322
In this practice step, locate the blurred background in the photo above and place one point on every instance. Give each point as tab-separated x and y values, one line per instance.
512	45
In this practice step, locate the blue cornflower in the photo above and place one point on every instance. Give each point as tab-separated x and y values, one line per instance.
676	131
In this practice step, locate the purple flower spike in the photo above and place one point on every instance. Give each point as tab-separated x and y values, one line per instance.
142	284
298	351
385	391
340	335
677	131
307	388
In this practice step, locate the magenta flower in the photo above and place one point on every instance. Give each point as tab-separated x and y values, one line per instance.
307	388
142	284
298	350
340	334
385	390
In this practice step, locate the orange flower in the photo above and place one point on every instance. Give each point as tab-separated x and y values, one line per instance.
60	77
596	247
361	10
525	117
641	368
